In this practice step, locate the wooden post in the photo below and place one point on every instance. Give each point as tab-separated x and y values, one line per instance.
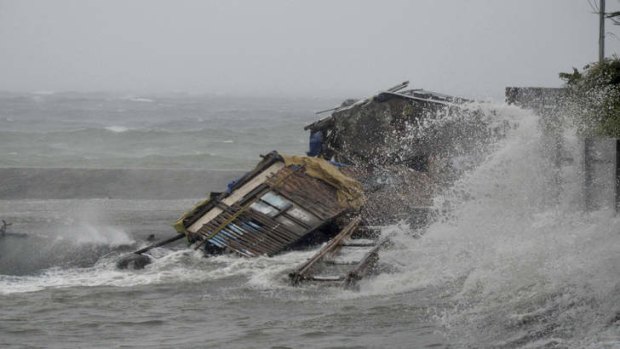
159	244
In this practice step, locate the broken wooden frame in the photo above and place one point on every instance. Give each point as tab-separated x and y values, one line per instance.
314	268
267	211
304	271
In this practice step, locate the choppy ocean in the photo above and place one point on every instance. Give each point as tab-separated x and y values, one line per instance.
87	177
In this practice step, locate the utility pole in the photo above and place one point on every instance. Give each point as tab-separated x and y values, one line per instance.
588	144
588	141
601	59
601	32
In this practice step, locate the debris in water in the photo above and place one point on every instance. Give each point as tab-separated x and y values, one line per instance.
4	227
371	162
5	233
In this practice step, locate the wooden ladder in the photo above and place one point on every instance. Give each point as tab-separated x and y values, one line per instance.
343	260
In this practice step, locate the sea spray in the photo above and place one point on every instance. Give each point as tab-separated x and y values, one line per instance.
88	224
74	235
519	268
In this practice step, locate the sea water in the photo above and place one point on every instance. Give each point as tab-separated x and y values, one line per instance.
500	265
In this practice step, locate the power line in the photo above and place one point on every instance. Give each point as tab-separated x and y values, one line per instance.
593	6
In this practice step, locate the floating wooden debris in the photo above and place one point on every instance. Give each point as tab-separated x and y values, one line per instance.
4	231
343	260
4	227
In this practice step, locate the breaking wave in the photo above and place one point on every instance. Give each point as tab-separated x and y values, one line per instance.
505	263
117	129
510	266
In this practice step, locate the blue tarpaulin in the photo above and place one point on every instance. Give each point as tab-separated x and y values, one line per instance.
316	143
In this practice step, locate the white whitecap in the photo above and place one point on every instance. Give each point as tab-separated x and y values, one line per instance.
117	129
140	99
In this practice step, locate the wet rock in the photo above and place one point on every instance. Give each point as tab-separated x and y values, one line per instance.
133	261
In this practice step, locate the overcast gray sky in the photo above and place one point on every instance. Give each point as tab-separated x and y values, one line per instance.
321	47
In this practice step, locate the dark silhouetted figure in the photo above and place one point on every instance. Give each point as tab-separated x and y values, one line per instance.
4	227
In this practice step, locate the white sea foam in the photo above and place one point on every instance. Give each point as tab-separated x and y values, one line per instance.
140	99
172	268
169	267
117	129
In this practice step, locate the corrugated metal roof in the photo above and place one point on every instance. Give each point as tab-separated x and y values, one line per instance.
285	208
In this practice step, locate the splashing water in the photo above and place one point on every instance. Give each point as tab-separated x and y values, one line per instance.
169	267
99	235
515	267
76	236
508	262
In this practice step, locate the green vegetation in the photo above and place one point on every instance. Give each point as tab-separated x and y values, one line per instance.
594	98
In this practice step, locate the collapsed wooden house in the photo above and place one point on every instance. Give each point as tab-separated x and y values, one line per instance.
282	201
370	162
288	202
285	202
